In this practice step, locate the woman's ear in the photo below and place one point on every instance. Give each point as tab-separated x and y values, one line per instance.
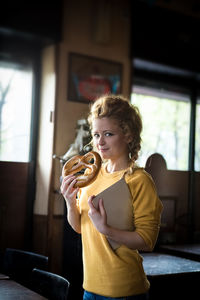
128	138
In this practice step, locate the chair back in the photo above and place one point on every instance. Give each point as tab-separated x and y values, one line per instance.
50	285
18	264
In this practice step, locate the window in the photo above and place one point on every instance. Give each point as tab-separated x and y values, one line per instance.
197	137
166	122
15	112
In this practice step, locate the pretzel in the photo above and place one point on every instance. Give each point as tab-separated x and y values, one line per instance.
78	163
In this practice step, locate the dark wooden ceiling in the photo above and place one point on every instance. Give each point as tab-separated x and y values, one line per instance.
166	32
39	21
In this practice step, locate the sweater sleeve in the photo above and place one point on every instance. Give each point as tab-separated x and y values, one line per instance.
147	207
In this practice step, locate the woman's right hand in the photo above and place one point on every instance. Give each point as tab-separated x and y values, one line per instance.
68	190
69	193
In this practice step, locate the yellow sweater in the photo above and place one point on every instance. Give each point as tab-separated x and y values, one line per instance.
119	273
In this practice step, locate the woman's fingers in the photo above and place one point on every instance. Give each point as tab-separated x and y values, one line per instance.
98	216
101	207
67	181
68	190
91	205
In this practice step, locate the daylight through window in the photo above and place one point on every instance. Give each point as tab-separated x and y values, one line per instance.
197	138
15	112
166	122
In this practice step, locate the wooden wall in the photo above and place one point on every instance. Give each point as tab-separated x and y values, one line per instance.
173	186
13	204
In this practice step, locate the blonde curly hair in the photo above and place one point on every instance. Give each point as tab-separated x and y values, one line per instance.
128	116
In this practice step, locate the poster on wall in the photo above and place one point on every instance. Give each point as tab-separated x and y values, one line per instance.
90	77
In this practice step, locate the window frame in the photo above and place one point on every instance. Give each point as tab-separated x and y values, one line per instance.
22	52
152	75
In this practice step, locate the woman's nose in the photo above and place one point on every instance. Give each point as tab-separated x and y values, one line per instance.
101	140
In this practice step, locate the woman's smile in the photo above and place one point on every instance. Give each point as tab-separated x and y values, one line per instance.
109	140
103	150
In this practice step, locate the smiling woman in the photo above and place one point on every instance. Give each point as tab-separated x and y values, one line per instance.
110	141
116	127
15	112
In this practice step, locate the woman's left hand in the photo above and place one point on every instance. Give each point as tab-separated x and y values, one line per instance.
129	238
98	216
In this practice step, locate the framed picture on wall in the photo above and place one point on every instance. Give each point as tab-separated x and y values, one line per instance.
90	77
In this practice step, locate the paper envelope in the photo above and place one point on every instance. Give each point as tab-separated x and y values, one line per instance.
117	201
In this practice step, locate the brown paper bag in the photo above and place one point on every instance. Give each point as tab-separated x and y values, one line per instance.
117	201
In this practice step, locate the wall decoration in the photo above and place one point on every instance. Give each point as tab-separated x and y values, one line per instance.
90	77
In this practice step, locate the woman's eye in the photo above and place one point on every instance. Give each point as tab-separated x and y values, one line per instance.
108	134
95	135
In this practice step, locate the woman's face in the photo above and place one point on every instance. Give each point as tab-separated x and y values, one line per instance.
109	139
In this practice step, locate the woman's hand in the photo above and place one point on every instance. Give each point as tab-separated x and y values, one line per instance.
68	191
98	216
129	238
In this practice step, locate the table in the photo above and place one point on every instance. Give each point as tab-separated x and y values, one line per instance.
191	251
11	290
171	277
3	276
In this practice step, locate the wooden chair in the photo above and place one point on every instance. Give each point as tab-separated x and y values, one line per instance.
50	285
18	264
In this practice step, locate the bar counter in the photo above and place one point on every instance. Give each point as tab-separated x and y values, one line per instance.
171	277
191	251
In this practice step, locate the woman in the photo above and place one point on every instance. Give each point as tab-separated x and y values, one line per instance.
114	274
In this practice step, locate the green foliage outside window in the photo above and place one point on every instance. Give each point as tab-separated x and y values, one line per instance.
165	129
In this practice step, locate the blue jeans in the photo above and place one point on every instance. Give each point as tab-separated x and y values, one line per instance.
91	296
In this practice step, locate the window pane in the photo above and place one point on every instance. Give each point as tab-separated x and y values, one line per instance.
166	119
197	138
15	112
